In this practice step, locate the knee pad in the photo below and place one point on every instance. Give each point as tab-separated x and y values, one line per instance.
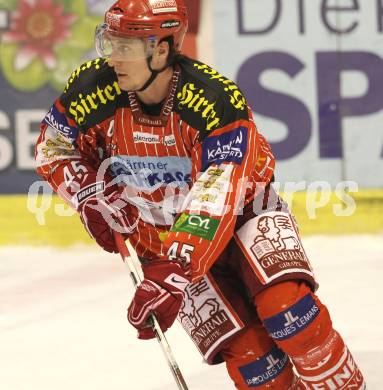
294	317
254	360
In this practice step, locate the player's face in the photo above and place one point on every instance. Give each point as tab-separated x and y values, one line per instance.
131	75
129	60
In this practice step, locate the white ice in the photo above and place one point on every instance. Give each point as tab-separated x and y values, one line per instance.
63	319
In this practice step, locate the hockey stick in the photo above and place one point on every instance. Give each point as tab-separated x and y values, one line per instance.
129	257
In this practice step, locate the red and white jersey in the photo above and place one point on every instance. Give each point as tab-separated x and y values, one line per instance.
190	166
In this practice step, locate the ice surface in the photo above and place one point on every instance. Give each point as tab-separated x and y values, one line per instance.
63	324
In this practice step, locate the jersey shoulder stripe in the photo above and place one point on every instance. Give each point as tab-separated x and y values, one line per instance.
207	100
92	94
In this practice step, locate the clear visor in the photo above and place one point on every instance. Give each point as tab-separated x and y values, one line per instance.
122	48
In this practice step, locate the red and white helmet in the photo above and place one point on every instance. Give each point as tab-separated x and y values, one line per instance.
146	19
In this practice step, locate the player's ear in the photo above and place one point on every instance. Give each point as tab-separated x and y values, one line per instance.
160	55
163	48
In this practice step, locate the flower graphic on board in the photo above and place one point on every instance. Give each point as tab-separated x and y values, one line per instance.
37	26
44	40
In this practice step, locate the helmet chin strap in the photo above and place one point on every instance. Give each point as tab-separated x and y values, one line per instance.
154	74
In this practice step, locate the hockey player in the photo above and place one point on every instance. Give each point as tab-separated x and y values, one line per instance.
164	149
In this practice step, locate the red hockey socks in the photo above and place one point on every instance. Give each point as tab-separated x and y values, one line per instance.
301	326
253	360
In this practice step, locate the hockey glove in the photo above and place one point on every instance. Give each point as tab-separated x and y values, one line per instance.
161	292
106	211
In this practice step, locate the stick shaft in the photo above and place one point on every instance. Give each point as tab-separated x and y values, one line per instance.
129	257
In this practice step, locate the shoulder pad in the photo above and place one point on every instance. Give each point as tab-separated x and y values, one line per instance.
206	99
92	93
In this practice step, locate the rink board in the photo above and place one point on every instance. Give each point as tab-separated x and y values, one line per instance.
47	221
